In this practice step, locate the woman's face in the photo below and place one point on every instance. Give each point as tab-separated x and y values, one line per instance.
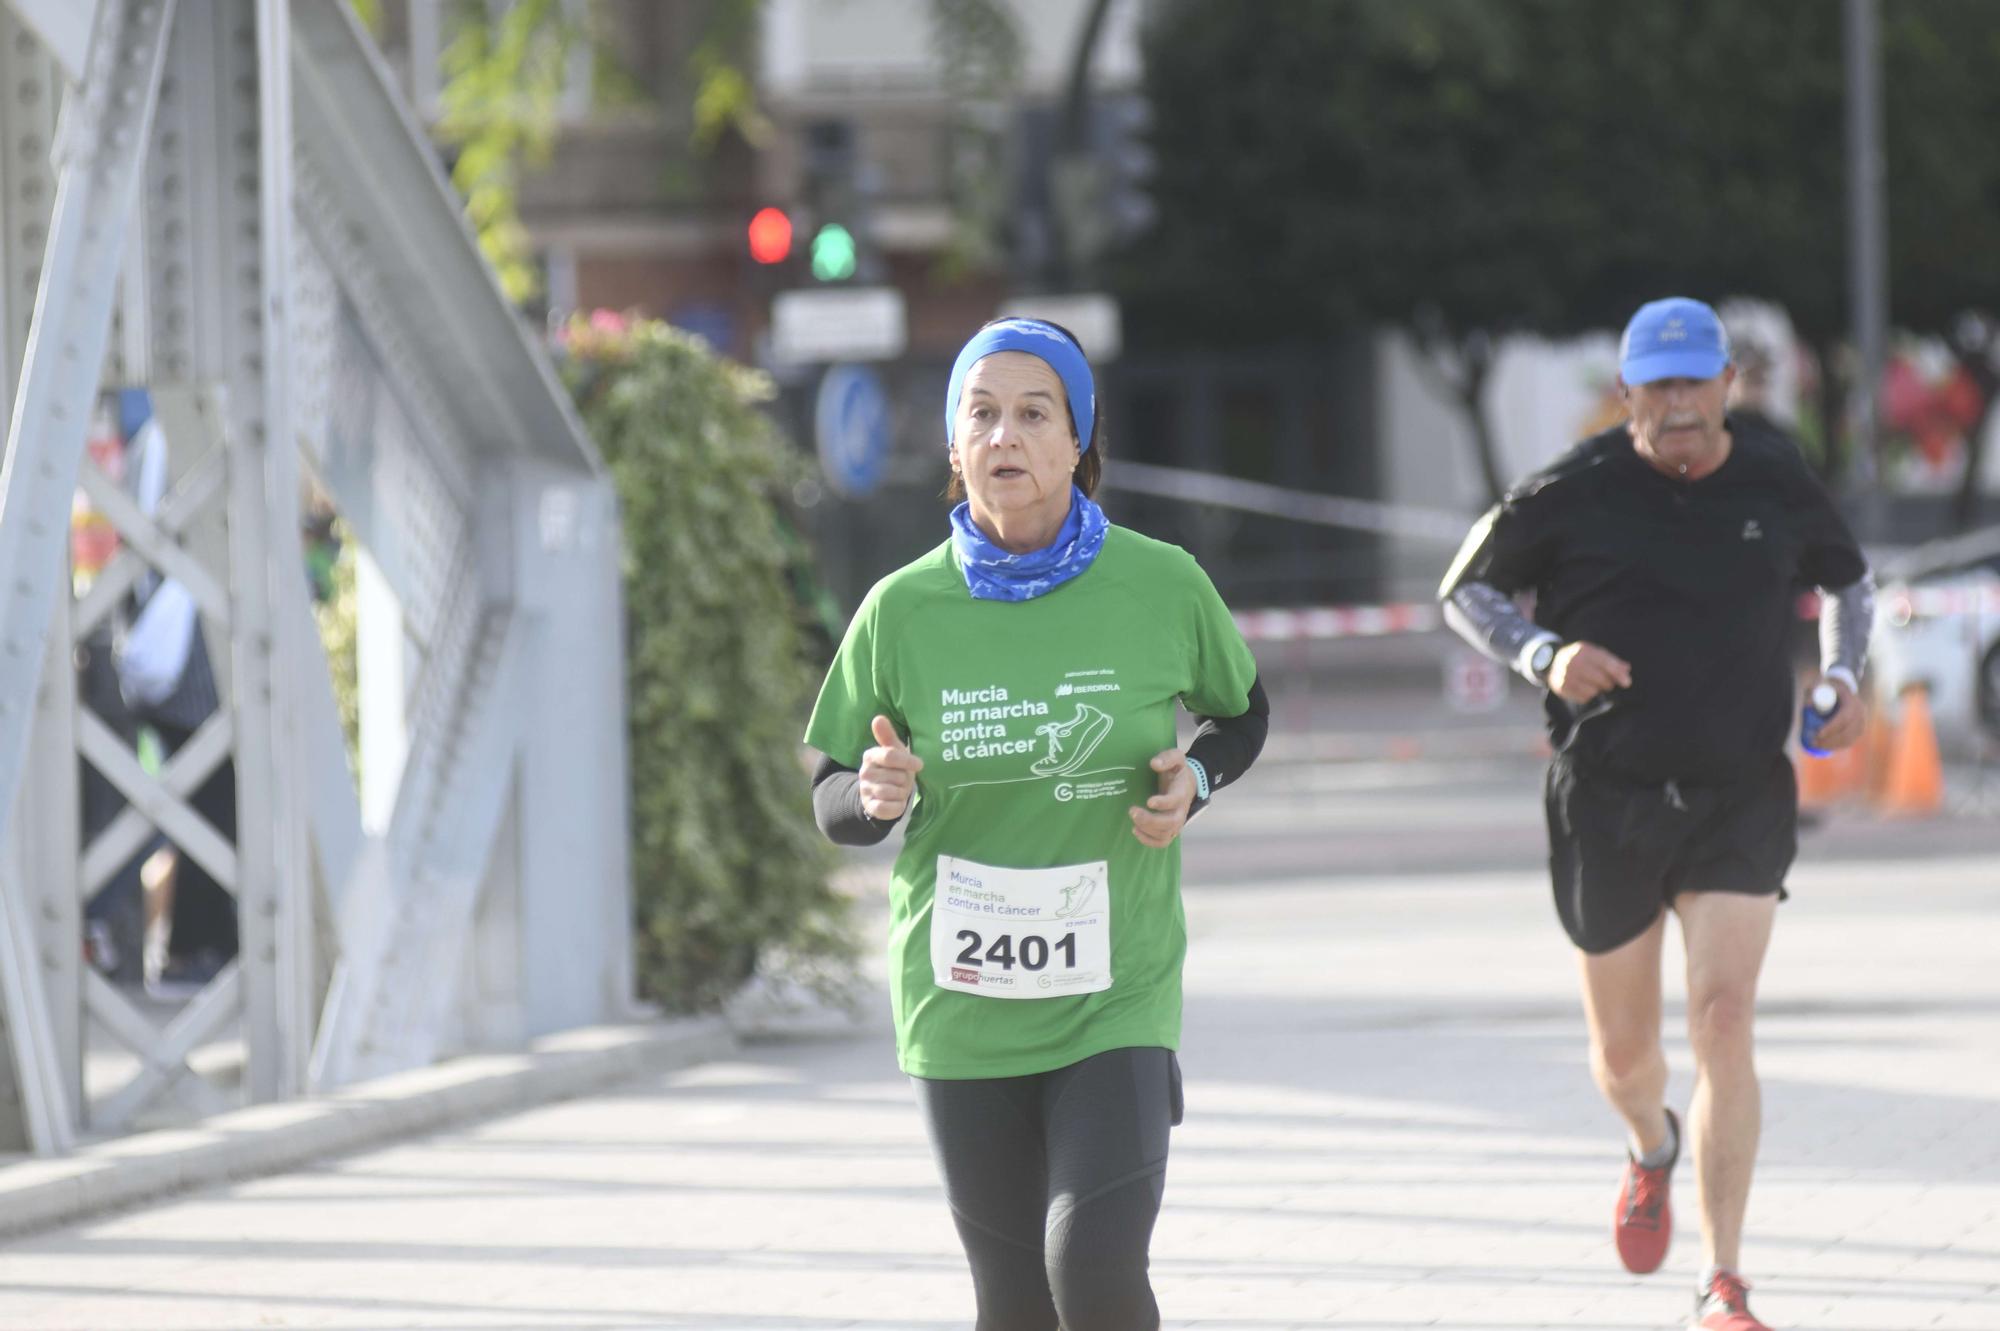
1012	439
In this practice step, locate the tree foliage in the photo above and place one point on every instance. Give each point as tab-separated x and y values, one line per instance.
1464	170
980	55
335	614
503	78
504	74
1942	96
729	872
1941	93
1326	166
725	96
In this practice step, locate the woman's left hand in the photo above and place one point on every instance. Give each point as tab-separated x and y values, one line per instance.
1166	813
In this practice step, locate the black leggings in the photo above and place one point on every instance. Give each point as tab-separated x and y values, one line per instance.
1055	1181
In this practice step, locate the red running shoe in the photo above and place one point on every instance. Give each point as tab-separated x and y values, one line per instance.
1644	1221
1725	1306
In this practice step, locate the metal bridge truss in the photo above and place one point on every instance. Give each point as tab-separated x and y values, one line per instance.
224	201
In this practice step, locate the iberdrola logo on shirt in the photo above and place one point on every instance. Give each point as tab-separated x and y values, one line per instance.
988	722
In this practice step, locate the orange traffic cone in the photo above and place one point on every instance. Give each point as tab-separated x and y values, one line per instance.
1877	746
1915	785
1826	781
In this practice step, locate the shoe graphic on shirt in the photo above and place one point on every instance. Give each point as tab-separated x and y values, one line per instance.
1071	742
1076	896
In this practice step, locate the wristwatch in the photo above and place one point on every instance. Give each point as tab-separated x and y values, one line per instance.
1200	775
1544	656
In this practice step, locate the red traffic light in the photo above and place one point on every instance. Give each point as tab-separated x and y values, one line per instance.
770	236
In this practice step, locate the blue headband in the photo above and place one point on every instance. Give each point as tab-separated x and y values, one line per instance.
1046	344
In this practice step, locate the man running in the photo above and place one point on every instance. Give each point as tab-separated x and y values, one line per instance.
1665	555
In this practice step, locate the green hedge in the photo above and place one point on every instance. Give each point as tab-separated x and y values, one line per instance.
730	875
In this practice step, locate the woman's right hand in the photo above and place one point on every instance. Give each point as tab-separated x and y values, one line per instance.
888	774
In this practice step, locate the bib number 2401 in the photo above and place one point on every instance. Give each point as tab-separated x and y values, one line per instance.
1021	933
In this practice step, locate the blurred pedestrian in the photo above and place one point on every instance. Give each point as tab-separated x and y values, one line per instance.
1015	691
168	683
1750	391
1665	555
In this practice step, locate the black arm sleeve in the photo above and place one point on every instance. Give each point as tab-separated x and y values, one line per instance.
837	807
1225	746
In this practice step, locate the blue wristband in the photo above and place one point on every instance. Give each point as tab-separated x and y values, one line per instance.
1200	779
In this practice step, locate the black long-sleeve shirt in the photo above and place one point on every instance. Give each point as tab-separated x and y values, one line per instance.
1692	582
1225	746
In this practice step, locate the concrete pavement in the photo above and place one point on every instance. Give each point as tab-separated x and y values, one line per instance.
1390	1125
104	1175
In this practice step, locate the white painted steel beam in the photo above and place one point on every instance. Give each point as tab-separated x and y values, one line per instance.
30	89
405	926
422	975
163	1053
178	511
64	27
190	831
153	543
274	905
219	233
100	145
334	809
251	339
182	775
573	964
51	808
360	137
41	880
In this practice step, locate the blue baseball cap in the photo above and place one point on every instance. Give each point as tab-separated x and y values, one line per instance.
1676	338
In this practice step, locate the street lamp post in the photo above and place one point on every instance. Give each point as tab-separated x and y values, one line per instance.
1867	232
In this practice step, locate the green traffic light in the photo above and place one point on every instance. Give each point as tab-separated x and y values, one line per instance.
833	253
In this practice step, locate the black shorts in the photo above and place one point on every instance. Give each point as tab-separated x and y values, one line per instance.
1620	852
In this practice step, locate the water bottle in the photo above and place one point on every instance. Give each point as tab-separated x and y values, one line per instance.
1819	708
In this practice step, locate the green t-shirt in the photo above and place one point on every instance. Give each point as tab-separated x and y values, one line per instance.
1035	721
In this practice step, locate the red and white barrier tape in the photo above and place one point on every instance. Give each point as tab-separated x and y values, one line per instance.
1933	602
1323	622
1337	621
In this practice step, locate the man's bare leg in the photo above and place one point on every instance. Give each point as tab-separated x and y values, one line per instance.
1727	936
1621	1003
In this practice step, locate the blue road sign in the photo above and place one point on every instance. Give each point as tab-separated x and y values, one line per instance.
851	428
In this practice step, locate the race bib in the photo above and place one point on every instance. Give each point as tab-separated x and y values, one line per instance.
1021	933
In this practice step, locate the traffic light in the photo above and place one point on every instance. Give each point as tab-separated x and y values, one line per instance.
839	189
771	236
833	253
1097	194
1123	134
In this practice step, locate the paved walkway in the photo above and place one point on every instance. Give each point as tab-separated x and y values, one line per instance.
1390	1125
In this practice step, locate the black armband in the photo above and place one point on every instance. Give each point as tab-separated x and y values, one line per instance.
837	807
1226	746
